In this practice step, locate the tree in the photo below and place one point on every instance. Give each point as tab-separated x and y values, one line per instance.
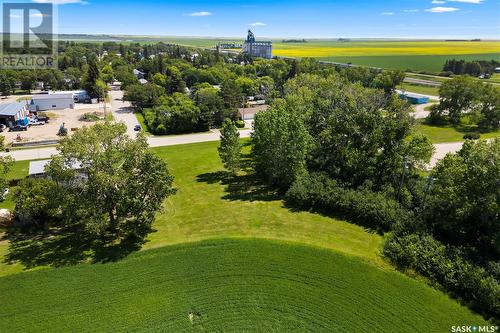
489	108
7	82
107	74
281	144
5	165
388	80
174	83
458	95
143	95
91	77
463	205
229	148
104	183
211	105
174	114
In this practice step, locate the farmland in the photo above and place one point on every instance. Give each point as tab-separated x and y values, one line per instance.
228	252
226	285
417	55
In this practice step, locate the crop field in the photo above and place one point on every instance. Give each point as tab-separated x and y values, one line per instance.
226	255
417	55
226	285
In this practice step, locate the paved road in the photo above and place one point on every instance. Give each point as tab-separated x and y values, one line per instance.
423	82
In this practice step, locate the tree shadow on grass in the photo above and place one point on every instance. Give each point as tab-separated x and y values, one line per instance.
244	186
64	247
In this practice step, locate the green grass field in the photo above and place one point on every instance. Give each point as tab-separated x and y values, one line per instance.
250	272
226	285
427	63
448	133
419	89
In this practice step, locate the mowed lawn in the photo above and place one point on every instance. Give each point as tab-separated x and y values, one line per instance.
210	205
226	286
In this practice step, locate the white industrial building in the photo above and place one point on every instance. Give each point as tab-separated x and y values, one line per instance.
52	101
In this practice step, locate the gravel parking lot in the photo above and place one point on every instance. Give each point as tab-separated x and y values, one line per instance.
49	131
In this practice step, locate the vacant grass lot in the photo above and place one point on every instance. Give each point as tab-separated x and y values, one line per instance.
208	204
226	285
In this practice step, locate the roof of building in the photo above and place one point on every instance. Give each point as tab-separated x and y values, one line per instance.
57	95
411	95
11	109
38	167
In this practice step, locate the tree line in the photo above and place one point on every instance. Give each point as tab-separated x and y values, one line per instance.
472	68
347	150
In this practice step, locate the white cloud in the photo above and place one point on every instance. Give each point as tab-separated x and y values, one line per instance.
200	14
411	10
438	2
476	2
257	24
387	13
61	2
442	10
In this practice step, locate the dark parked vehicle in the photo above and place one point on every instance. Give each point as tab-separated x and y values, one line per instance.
137	128
18	128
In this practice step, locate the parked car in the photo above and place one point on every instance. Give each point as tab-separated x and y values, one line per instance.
2	127
36	122
137	128
18	128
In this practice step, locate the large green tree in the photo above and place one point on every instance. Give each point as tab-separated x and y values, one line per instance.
281	144
230	148
458	95
103	182
463	206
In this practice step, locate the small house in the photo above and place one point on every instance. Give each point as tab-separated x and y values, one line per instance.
12	114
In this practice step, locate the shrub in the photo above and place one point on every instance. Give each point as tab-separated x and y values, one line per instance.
240	124
447	267
364	207
472	136
89	116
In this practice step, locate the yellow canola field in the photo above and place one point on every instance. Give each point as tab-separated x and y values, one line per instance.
326	49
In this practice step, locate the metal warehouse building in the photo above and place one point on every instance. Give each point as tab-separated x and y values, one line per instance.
414	98
13	114
54	101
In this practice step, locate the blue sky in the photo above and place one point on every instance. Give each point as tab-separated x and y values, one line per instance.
291	18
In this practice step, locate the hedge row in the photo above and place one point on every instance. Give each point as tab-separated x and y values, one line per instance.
427	256
364	207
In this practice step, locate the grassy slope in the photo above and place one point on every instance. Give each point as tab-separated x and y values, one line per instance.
230	285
